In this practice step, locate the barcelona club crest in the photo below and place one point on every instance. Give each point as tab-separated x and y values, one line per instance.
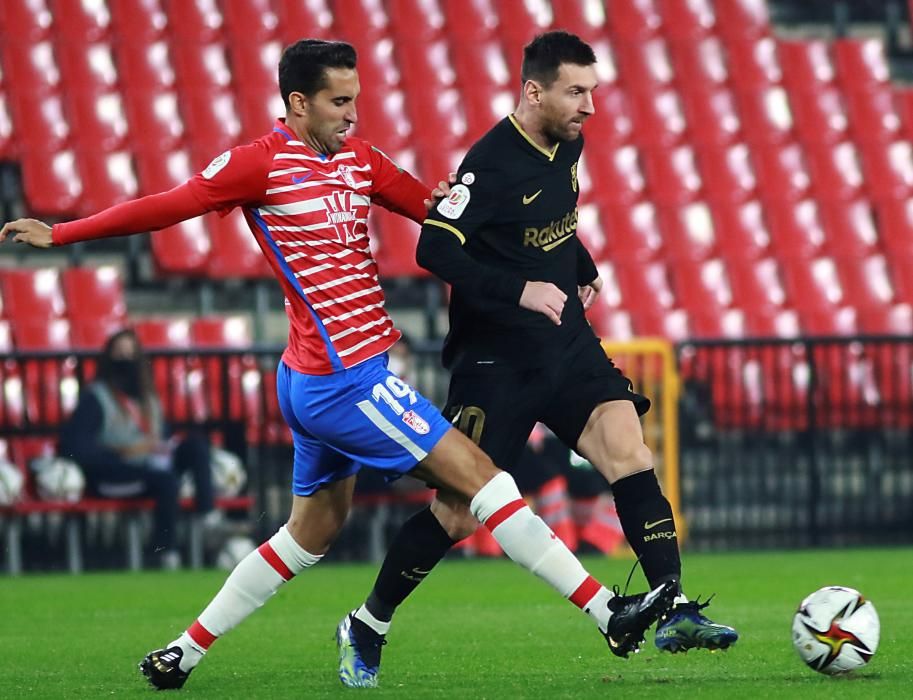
574	177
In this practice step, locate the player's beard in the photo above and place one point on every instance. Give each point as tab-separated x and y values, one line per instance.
559	129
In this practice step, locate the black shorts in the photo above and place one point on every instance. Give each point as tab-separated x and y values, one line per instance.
497	406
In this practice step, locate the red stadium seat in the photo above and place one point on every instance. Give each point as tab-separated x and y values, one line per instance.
633	232
471	20
903	98
820	116
182	249
867	282
672	175
213	126
429	65
435	164
92	333
253	65
756	284
146	66
814	285
87	67
196	21
259	106
138	21
99	121
251	21
201	67
744	234
645	286
851	228
671	324
421	20
7	146
619	177
396	239
766	116
659	119
769	323
726	324
807	65
94	292
155	120
861	63
888	320
305	18
712	115
367	19
52	183
80	20
383	119
901	265
32	294
159	172
31	67
754	63
702	286
836	171
577	18
107	179
235	253
610	324
895	225
688	232
32	334
634	20
613	122
480	61
377	63
699	65
178	382
26	21
796	229
438	116
688	19
889	169
644	66
782	171
486	105
874	116
610	296
840	321
40	123
727	172
521	22
590	231
740	19
163	333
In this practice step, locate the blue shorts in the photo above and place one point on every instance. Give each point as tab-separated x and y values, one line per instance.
364	416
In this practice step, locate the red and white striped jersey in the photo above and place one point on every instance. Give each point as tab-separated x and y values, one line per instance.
309	213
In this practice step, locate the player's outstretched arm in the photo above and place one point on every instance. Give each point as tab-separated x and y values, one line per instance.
31	231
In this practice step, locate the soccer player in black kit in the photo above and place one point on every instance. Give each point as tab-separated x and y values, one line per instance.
520	349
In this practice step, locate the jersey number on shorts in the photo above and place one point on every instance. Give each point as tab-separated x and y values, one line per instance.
391	390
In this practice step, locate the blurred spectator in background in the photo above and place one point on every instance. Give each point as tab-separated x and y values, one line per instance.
117	434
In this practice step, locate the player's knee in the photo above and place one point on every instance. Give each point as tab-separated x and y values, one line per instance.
456	519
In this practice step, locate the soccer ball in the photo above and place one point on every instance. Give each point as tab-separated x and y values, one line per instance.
11	483
233	551
58	479
228	475
836	630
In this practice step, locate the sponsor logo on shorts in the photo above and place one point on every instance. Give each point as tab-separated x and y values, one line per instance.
416	422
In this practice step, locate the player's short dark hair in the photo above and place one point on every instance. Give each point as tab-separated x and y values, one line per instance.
303	65
544	55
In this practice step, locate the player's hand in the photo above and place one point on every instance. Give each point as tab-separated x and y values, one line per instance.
544	298
442	191
589	293
35	233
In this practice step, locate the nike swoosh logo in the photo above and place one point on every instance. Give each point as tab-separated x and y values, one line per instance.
529	198
650	526
298	179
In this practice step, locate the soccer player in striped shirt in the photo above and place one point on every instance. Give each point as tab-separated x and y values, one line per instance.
305	189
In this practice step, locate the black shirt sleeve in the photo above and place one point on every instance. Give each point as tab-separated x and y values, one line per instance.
586	268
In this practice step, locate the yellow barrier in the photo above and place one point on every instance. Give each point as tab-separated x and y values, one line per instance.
650	365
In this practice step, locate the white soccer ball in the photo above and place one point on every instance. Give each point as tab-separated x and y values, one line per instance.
836	630
11	483
58	479
233	551
228	475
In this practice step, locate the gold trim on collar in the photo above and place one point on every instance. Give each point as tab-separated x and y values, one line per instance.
549	154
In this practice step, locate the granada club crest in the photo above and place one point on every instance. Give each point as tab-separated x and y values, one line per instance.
341	215
345	172
416	422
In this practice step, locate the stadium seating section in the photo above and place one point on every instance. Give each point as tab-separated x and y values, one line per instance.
735	184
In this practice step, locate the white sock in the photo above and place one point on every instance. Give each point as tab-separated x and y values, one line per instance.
365	616
254	581
528	541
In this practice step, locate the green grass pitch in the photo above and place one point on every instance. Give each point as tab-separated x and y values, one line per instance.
473	630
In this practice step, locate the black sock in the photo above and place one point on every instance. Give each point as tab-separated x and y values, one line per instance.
418	546
646	518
